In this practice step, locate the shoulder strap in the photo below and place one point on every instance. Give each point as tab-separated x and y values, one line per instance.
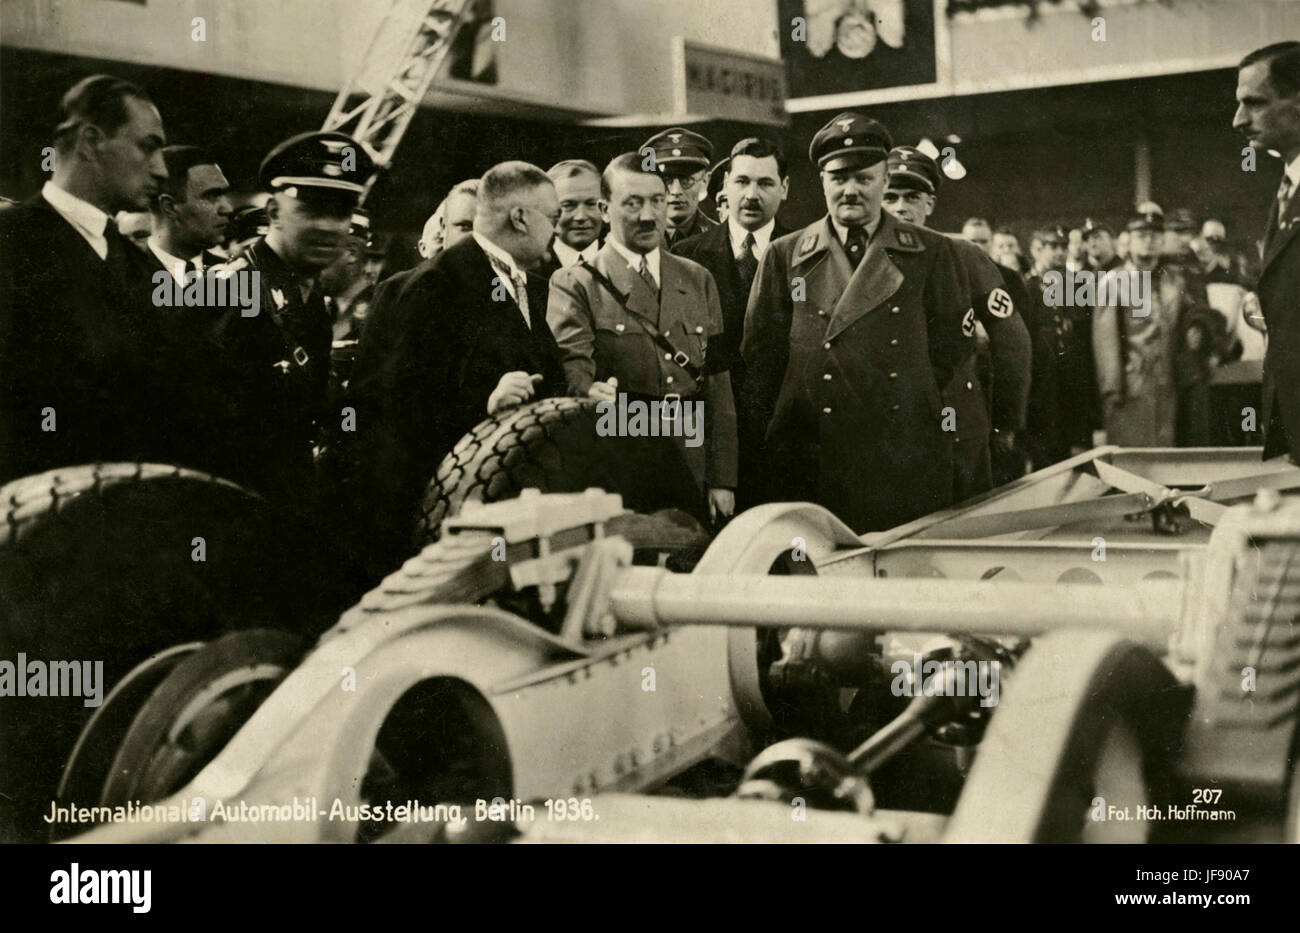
294	349
680	357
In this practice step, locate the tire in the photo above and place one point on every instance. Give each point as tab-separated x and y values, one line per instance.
552	445
99	563
191	715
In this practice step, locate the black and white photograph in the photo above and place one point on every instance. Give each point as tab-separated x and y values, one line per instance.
630	422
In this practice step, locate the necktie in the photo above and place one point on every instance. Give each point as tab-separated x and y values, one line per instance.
1277	212
856	246
520	285
116	243
748	262
648	278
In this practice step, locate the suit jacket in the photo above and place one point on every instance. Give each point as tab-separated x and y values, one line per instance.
599	338
424	379
81	338
712	250
1279	298
846	382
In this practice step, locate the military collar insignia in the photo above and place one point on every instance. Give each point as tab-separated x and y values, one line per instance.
278	297
906	238
808	244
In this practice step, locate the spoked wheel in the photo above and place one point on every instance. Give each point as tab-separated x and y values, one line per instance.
1079	749
195	711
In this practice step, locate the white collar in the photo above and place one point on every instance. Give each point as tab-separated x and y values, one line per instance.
497	252
762	236
842	231
86	218
634	259
173	264
567	256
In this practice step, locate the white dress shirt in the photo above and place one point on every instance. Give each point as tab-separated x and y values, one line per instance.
173	264
762	237
634	259
86	218
567	256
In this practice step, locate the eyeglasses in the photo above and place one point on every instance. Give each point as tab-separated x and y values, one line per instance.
684	182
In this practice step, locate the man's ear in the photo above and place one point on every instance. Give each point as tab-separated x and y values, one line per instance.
272	209
785	187
517	221
603	206
89	139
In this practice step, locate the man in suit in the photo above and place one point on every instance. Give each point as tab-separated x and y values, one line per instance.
683	158
272	366
1268	115
990	390
577	236
854	326
87	364
756	183
468	340
191	212
653	341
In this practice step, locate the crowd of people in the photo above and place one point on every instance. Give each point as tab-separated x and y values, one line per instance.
863	361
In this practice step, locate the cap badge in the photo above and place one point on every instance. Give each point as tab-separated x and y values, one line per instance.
848	140
675	137
677	152
844	125
329	168
333	146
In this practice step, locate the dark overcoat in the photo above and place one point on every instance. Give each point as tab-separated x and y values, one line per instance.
845	367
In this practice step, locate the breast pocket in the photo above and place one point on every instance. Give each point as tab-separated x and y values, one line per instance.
624	350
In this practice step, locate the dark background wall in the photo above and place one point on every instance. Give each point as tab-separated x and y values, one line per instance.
1032	157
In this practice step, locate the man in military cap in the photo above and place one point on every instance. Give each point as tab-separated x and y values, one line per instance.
347	288
1099	241
995	379
683	158
854	326
1137	341
1064	408
274	365
643	323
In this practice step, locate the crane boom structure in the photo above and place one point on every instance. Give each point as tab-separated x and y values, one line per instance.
405	54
